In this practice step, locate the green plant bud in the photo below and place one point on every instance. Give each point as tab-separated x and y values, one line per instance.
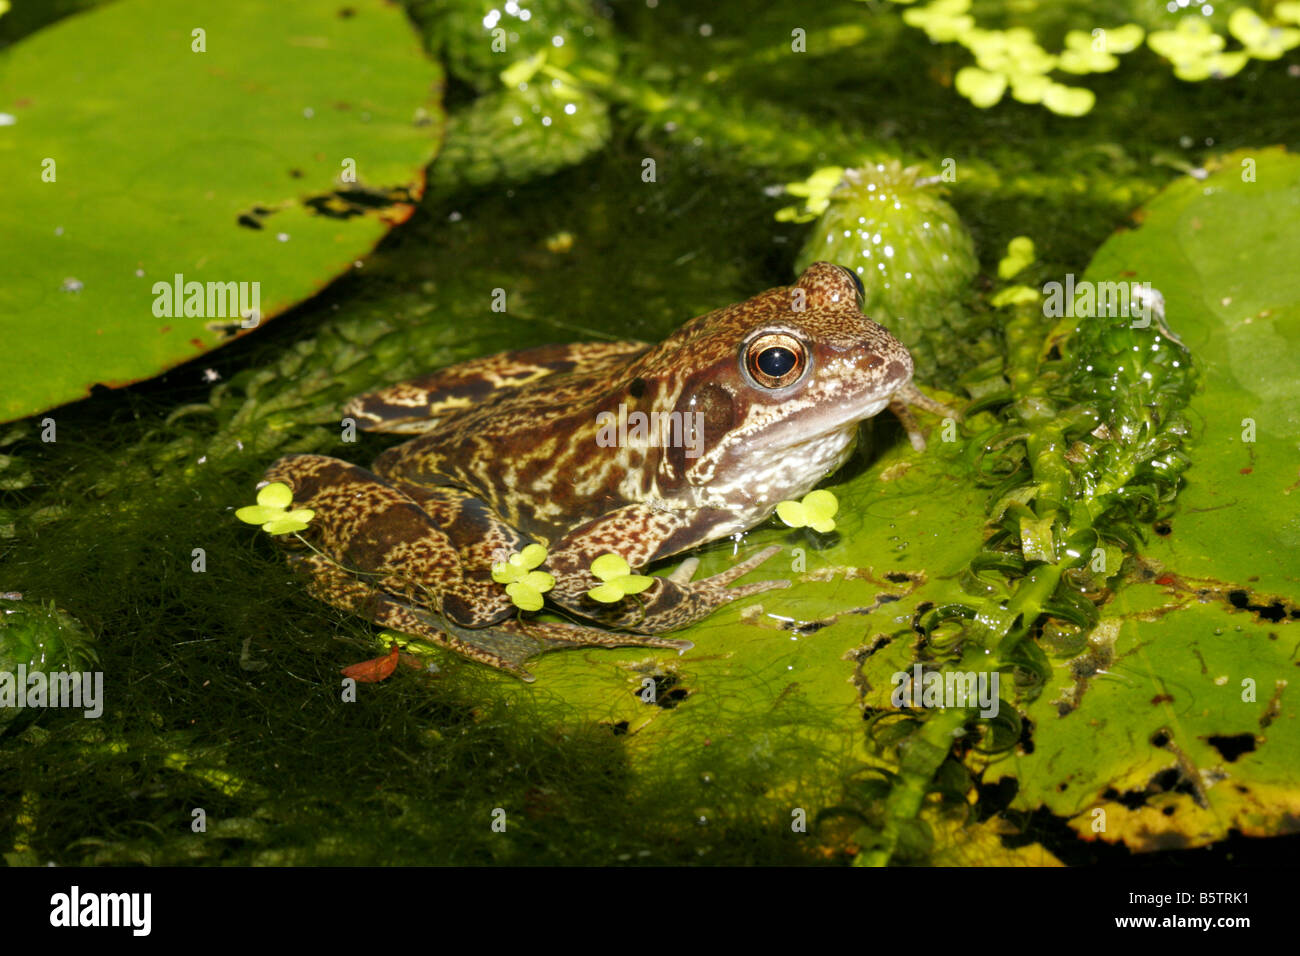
515	135
913	255
481	38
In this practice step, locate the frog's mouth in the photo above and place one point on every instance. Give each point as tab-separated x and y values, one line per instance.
872	409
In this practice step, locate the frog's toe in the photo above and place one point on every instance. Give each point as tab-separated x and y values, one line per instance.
683	575
684	572
737	571
758	587
909	397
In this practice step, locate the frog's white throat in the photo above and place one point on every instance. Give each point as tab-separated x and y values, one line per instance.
777	475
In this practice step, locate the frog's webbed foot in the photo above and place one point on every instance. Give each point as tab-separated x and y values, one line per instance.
676	601
506	645
908	397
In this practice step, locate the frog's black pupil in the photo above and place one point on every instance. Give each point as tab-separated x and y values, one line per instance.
776	361
862	293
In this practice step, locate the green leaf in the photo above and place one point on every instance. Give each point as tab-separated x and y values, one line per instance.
609	566
792	513
530	557
258	514
1182	683
539	581
525	595
981	87
606	593
634	583
275	495
153	154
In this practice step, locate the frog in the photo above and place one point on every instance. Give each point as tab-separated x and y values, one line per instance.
758	403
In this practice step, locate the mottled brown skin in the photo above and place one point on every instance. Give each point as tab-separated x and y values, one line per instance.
507	454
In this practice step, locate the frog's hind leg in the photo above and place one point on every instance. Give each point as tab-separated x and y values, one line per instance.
506	645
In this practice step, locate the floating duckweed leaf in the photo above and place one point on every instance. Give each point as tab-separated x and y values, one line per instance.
606	593
942	20
524	585
1261	40
1010	52
609	566
1124	39
614	571
1080	56
1015	295
526	593
1029	87
981	87
1020	255
1069	100
518	564
1195	50
816	511
817	190
255	154
272	511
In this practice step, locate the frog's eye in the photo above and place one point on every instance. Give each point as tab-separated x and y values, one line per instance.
776	359
862	292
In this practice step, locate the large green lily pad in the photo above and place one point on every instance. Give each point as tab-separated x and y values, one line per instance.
132	158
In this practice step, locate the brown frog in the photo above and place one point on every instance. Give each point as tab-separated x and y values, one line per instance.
595	448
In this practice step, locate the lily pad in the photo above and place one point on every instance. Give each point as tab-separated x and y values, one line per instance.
222	141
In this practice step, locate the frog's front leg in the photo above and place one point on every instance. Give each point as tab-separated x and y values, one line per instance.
640	535
908	397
